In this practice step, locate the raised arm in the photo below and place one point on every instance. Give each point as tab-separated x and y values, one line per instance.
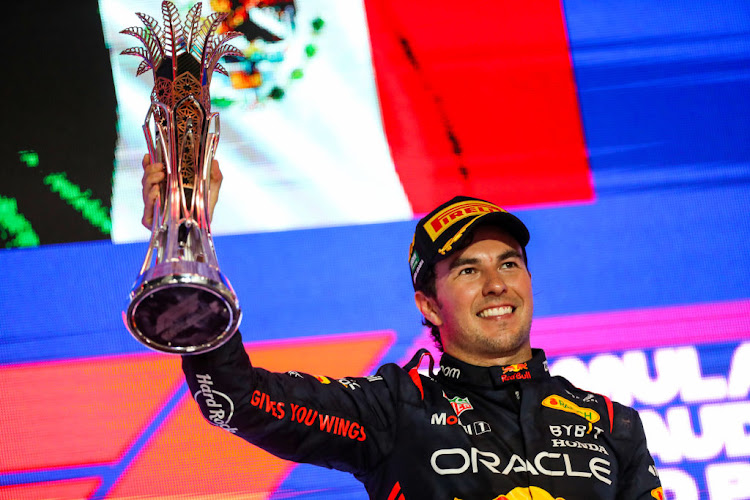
347	424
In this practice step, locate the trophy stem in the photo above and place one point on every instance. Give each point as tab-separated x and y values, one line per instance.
181	303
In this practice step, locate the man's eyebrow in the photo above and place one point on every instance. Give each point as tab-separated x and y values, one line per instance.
509	255
463	261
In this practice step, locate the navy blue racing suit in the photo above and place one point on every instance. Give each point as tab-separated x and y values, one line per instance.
466	432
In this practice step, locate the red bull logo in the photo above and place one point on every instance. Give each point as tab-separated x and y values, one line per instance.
517	371
515	368
530	493
658	493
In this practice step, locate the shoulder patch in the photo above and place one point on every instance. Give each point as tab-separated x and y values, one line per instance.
559	403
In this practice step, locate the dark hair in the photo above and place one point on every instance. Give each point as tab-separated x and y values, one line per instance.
427	286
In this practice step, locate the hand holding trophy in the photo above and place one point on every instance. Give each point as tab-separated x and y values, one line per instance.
181	302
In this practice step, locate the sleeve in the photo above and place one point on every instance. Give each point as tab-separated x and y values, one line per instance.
639	479
346	424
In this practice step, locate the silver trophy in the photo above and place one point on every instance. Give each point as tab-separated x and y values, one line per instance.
181	302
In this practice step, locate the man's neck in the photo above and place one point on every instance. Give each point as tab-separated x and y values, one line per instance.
520	355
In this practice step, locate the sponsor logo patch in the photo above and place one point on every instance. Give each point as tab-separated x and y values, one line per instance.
515	368
567	443
327	423
264	402
472	429
450	371
454	461
519	371
575	430
348	383
460	405
414	261
590	399
530	493
456	212
520	493
220	406
559	403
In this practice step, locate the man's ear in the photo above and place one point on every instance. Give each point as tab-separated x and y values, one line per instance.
428	306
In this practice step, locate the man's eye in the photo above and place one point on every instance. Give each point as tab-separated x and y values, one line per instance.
509	264
466	270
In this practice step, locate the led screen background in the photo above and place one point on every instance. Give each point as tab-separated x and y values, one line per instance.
640	267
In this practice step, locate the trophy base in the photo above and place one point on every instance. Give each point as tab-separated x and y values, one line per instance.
182	313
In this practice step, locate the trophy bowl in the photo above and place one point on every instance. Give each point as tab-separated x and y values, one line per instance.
182	307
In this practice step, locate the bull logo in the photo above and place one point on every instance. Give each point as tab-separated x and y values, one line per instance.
530	493
515	368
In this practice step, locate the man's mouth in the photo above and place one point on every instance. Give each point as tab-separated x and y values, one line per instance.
496	311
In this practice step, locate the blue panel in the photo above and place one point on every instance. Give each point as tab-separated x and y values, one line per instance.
650	248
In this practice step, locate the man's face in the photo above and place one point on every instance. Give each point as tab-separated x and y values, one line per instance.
483	304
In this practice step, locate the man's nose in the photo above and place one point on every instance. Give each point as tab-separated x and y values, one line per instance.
494	283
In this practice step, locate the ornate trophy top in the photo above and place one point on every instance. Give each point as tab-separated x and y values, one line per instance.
182	57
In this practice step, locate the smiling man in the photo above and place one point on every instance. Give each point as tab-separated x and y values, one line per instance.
491	424
472	285
542	436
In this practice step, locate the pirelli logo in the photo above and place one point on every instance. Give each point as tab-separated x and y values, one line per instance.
454	213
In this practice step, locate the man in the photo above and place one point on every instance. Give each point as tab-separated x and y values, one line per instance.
491	424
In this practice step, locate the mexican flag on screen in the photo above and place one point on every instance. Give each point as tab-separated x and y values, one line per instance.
353	112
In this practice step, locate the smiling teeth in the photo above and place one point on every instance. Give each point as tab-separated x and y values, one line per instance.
495	311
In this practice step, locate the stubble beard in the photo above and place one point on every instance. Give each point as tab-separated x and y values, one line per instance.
501	345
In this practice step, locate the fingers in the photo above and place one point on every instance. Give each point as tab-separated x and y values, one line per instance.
153	174
216	175
149	199
215	185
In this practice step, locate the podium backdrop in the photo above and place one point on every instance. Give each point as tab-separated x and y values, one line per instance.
618	131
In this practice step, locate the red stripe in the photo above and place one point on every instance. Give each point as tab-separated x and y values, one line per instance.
395	491
611	411
414	374
490	111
